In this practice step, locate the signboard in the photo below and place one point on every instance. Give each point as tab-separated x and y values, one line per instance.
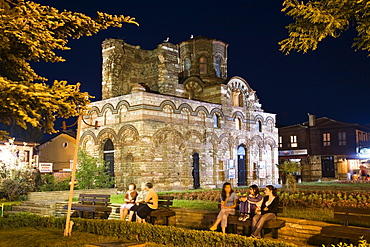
262	173
46	167
293	152
231	173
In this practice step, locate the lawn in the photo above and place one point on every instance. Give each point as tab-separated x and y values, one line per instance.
51	237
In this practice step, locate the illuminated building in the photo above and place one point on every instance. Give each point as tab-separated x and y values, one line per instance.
326	149
172	116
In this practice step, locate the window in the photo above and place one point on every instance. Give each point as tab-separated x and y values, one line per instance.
238	124
218	67
280	141
216	121
187	66
202	65
293	141
326	139
342	138
236	97
259	126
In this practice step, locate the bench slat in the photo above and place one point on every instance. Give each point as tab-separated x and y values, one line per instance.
352	210
84	199
94	195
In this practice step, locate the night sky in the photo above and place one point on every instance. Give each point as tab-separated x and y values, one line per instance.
333	81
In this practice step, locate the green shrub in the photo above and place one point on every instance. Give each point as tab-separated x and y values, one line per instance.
51	183
92	172
361	243
140	232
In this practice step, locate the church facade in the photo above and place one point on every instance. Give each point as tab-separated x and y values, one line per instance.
171	116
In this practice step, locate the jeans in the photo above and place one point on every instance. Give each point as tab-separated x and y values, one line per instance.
258	221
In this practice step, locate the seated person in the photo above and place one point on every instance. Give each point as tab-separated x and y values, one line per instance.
269	209
130	198
150	204
249	203
139	200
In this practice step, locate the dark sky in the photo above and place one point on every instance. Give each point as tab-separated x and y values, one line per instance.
333	81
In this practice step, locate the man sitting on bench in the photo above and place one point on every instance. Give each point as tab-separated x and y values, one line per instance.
150	204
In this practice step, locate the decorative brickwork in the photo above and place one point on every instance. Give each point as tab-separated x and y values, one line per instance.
162	107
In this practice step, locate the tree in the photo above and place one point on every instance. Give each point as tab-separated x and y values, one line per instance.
92	172
32	32
288	168
316	20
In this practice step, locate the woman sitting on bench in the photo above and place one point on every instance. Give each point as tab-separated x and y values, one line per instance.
228	205
249	203
269	209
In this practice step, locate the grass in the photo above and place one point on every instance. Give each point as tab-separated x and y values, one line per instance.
51	237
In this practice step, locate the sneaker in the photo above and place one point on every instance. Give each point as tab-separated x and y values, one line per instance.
246	217
241	217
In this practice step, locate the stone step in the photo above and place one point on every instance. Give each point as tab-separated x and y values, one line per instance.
39	204
34	210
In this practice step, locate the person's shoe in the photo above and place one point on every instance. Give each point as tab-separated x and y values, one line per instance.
213	228
246	217
241	217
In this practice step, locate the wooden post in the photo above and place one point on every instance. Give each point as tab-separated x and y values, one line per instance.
69	223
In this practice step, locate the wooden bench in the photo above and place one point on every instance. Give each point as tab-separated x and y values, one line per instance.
163	215
92	206
345	233
271	225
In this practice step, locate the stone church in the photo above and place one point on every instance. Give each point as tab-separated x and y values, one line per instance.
173	117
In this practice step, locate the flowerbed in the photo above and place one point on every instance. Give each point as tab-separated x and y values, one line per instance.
321	199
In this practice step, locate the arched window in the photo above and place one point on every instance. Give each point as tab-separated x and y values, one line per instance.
236	97
238	124
216	121
218	67
202	65
259	126
187	66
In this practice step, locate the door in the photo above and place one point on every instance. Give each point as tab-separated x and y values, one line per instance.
109	156
195	173
242	166
327	166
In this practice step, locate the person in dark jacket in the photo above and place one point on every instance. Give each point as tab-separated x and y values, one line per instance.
269	209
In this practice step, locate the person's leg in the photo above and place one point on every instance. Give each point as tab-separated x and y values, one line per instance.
226	213
255	220
259	224
121	213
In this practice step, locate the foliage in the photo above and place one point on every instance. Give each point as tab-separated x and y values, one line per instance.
166	235
32	32
51	183
92	172
317	20
288	168
361	243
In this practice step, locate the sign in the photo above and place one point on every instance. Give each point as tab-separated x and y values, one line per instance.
46	167
262	173
231	173
293	152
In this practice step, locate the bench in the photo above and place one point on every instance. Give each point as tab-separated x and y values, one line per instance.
346	233
272	225
163	215
91	206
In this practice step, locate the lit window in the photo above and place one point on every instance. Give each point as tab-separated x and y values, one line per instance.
280	141
342	138
202	65
293	141
187	66
218	67
216	121
326	139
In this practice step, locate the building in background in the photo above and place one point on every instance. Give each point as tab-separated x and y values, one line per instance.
14	153
325	148
56	153
172	116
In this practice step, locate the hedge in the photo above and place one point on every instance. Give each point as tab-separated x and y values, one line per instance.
140	232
